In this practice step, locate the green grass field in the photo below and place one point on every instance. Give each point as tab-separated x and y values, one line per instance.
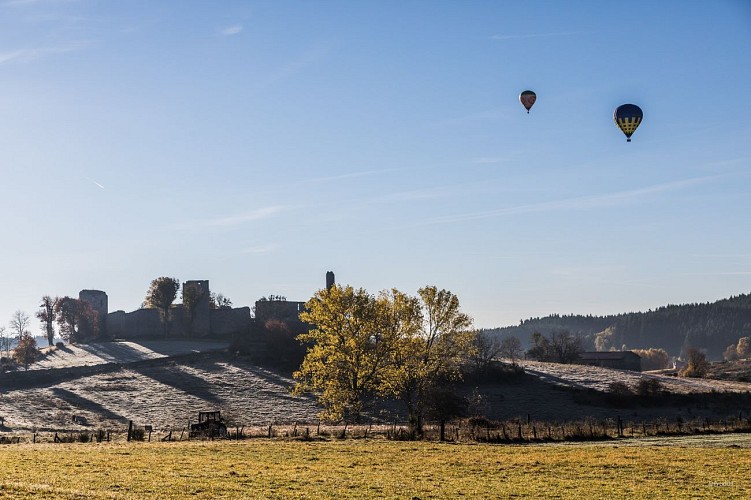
259	468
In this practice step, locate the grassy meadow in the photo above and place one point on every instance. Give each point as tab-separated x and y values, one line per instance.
377	468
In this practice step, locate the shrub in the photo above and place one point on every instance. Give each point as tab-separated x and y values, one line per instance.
26	352
619	394
137	434
697	366
649	387
619	389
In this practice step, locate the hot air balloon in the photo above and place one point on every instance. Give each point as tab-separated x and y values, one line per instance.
628	117
527	98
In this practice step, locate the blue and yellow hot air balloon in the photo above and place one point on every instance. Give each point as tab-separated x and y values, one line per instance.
527	98
628	117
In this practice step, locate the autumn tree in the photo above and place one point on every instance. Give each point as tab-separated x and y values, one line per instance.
739	350
392	344
605	340
431	356
26	351
352	346
653	358
697	364
743	348
161	294
730	353
46	314
77	320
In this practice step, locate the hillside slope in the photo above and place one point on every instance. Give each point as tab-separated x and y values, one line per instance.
167	393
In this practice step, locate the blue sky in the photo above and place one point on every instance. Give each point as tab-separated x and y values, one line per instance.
260	144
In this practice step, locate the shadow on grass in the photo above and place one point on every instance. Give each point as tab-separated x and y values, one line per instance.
172	375
86	404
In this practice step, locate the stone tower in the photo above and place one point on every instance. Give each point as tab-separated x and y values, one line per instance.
98	301
329	279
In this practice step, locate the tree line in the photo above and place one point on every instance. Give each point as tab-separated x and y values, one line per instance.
710	327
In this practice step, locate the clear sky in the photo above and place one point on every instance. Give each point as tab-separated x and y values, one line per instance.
259	144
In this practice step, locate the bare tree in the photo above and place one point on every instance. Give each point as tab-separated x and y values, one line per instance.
511	348
487	348
562	347
5	340
219	301
19	324
566	346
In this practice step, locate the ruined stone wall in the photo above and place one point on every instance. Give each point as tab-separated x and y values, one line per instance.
178	325
139	323
278	309
202	322
230	322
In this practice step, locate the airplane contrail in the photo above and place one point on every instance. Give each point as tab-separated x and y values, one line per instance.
95	182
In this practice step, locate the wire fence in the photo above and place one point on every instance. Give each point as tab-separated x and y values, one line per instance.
471	430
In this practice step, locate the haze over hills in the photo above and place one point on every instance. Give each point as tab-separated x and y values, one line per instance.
709	326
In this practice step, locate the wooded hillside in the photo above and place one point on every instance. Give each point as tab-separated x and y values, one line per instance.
710	326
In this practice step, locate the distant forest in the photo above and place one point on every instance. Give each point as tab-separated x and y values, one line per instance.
710	327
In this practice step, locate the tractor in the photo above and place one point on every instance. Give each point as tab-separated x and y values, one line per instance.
210	425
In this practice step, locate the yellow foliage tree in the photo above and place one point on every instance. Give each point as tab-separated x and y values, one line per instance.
433	353
392	344
744	347
352	349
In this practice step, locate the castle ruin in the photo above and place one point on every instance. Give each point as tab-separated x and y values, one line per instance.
200	322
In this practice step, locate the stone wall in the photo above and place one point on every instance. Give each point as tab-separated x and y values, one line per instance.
278	309
139	323
230	322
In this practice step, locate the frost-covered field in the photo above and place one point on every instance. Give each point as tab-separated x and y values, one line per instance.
165	396
168	394
120	352
593	377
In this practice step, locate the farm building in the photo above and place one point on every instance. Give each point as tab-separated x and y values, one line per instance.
621	360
